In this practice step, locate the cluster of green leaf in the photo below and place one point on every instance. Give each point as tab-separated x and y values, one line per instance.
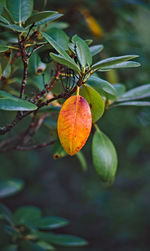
26	228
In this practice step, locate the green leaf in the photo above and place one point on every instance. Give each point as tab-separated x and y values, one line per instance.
6	14
132	103
3	48
89	41
45	245
111	61
94	100
58	151
61	60
95	49
13	27
62	239
127	64
6	214
6	72
82	160
102	86
11	248
11	103
29	214
59	36
59	49
4	20
51	222
136	93
20	9
42	18
83	53
10	187
120	89
104	157
30	246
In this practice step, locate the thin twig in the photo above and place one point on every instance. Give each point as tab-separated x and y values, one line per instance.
38	146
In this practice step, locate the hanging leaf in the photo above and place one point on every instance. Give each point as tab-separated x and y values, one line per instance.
31	246
10	187
136	93
42	18
104	157
74	124
82	50
95	49
94	100
20	9
111	61
120	89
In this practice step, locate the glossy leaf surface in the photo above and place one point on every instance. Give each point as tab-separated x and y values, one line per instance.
10	187
82	50
136	93
112	61
42	17
20	9
74	124
94	100
104	157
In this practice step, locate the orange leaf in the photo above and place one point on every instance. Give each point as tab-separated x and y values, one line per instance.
74	124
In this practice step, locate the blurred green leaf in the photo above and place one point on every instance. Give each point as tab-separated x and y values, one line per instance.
4	20
120	89
132	103
10	187
6	14
102	86
6	214
111	61
30	246
13	27
3	48
20	9
12	103
42	18
127	64
95	49
7	71
82	160
62	52
62	239
94	100
82	50
59	36
29	214
104	157
51	222
136	93
12	247
45	245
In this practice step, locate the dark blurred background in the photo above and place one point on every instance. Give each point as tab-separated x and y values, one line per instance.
110	218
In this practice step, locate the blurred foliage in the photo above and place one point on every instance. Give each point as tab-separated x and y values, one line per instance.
111	218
